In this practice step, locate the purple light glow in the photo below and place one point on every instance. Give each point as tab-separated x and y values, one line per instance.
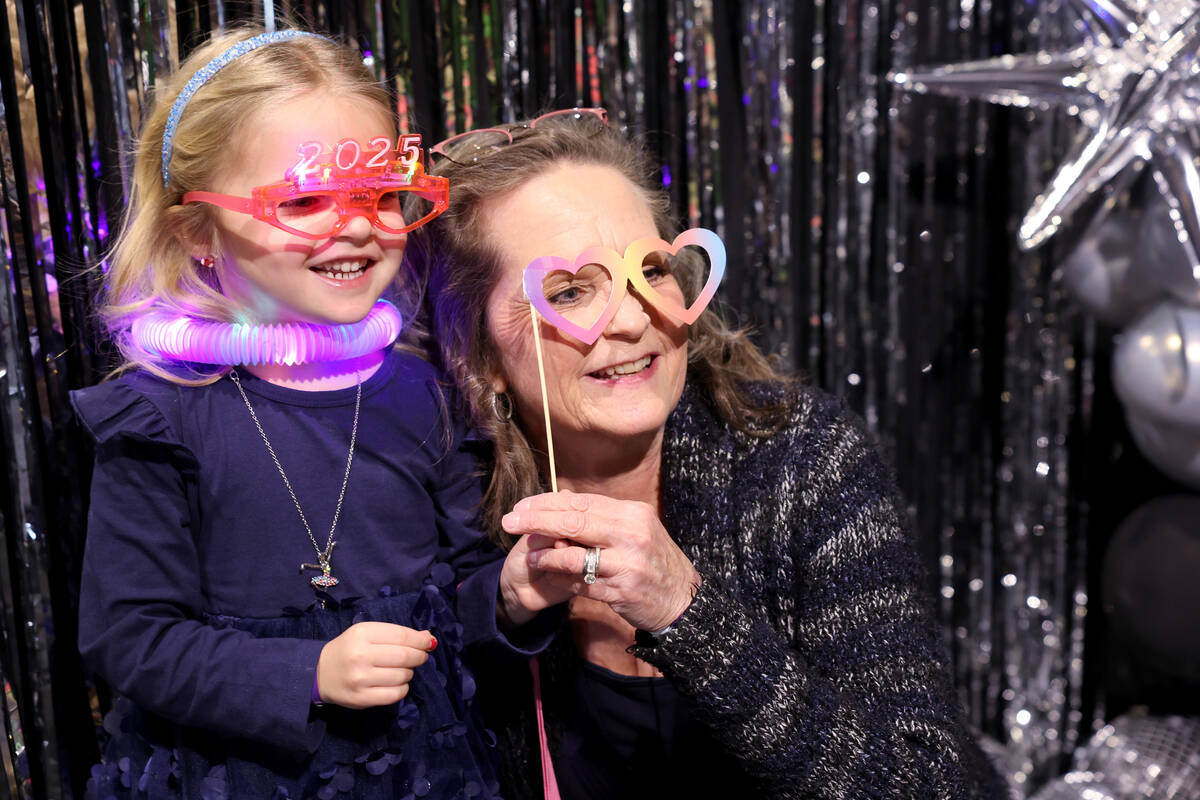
176	337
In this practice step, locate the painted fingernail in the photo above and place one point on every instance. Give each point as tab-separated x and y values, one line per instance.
432	643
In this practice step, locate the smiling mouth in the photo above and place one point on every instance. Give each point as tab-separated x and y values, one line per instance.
622	370
343	270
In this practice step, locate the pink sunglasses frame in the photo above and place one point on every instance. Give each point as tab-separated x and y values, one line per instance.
439	148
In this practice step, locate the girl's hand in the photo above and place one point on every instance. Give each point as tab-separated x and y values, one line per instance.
524	591
643	575
371	663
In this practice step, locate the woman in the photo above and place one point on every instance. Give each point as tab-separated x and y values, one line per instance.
754	627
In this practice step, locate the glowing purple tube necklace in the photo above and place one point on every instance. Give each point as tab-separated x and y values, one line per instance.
178	337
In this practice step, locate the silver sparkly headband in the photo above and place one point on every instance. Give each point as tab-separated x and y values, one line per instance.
201	77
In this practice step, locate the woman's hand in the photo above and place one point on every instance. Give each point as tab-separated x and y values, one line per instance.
371	664
524	590
643	575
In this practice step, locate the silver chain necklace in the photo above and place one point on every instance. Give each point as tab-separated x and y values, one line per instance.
325	580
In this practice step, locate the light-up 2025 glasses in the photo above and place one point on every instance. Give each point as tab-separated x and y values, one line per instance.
320	200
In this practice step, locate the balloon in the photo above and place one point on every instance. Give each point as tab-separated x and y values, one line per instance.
1174	449
1165	260
1132	86
1105	272
1156	366
1150	586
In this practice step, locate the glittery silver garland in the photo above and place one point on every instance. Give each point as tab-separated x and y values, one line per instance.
870	242
50	232
1012	553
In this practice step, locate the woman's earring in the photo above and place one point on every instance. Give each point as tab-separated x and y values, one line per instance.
208	261
502	406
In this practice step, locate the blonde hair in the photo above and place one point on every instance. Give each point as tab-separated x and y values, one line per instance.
151	267
458	267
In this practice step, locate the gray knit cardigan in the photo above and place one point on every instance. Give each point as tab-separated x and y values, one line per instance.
809	650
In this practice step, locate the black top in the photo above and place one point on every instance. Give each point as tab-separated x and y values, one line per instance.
632	737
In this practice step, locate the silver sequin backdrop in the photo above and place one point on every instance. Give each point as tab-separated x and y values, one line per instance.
872	243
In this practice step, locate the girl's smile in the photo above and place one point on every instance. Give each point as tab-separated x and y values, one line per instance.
343	271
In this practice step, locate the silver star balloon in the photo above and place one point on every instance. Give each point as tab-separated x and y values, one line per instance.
1135	85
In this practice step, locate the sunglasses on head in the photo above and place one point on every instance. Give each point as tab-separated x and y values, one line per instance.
470	146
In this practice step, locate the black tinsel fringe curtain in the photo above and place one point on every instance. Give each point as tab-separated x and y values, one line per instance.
871	239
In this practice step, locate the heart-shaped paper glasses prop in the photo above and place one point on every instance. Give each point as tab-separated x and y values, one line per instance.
580	298
586	296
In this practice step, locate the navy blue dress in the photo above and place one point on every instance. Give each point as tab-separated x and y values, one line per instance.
195	609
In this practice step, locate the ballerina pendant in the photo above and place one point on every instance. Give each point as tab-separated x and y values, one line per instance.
325	580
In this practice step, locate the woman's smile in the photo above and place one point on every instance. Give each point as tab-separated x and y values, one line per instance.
626	372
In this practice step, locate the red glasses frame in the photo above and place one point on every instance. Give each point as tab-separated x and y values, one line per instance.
355	196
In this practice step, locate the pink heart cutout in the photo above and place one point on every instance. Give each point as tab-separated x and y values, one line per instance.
539	268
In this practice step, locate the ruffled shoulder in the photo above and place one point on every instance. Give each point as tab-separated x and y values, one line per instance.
136	407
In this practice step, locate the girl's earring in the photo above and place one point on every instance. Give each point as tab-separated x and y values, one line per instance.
208	261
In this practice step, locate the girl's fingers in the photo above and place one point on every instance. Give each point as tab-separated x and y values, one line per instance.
380	696
385	678
393	657
387	633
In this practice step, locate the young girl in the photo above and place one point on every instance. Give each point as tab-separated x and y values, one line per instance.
279	530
